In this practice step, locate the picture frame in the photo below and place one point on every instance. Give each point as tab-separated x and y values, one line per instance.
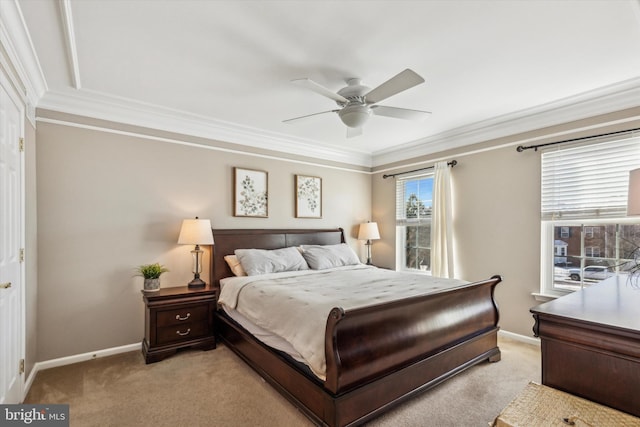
308	195
250	193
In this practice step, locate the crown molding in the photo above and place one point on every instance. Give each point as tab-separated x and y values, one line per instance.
16	41
608	99
70	42
123	110
97	105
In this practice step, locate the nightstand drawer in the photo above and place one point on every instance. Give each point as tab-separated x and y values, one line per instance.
184	332
181	316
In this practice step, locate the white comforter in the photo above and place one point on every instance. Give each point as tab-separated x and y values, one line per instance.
295	305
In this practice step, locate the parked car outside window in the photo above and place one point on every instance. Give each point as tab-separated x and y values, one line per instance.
591	272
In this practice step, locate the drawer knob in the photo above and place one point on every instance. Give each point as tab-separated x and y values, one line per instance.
182	334
183	318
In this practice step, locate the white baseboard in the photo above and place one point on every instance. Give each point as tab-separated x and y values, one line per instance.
518	337
62	361
29	382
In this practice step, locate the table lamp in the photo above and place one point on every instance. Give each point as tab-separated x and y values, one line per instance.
196	232
368	231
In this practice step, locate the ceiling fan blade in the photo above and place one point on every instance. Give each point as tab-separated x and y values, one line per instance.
396	84
400	113
308	116
353	132
310	84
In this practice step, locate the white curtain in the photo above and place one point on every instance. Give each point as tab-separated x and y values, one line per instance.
441	227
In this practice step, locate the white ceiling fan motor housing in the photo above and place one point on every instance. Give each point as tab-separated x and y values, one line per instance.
355	113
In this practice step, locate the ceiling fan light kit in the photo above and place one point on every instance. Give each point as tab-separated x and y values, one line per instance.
357	102
354	116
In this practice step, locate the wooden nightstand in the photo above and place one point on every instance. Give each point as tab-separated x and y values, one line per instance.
177	318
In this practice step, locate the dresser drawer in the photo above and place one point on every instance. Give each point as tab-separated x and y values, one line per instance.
180	316
184	332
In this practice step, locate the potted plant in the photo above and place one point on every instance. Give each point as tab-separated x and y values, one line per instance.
151	274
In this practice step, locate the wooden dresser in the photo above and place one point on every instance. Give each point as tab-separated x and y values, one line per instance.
590	343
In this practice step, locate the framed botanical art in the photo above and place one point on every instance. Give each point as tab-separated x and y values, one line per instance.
250	193
308	196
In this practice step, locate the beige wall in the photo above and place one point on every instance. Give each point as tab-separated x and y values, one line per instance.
498	228
496	214
109	202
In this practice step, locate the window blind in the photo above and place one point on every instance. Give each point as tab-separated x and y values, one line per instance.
413	200
588	181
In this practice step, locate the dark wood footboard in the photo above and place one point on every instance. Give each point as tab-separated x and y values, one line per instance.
368	401
378	357
370	342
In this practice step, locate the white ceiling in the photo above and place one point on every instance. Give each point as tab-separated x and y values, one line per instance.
222	69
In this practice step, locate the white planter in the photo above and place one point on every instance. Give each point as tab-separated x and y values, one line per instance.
151	285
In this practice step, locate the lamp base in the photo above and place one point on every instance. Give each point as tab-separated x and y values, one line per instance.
368	245
197	283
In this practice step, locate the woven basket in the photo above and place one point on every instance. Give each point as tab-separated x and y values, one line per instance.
539	405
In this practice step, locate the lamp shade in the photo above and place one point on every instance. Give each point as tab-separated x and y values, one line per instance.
195	232
368	231
633	198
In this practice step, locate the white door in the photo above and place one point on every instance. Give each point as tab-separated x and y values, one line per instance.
11	238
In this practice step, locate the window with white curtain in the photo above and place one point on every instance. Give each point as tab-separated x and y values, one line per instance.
586	234
414	203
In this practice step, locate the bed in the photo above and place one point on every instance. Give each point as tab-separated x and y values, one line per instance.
376	356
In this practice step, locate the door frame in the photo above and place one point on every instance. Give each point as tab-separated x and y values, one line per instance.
13	93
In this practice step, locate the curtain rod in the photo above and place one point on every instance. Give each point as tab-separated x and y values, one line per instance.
521	148
452	163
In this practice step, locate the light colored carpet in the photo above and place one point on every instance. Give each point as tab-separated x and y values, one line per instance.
216	388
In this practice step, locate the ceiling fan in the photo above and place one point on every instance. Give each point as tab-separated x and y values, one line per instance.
358	102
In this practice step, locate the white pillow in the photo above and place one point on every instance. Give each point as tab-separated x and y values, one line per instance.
261	261
321	257
234	265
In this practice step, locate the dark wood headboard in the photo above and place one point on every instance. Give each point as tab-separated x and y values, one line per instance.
227	241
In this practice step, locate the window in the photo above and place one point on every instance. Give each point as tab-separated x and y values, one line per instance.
592	251
564	232
413	222
578	265
560	249
586	235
